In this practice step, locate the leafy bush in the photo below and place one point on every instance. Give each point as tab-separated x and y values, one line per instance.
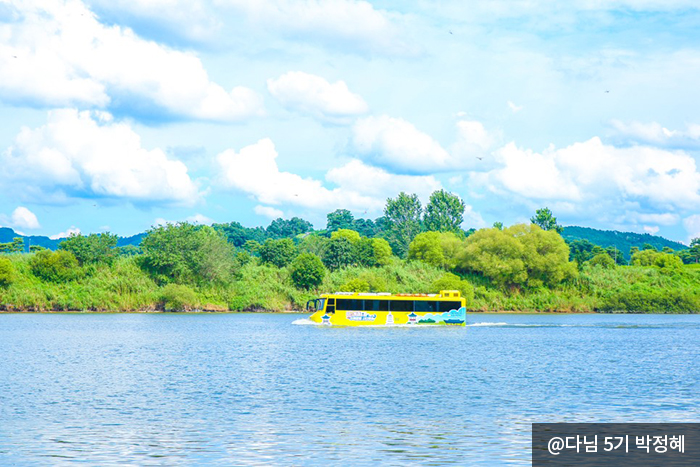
91	249
519	255
178	297
55	266
7	272
355	285
278	252
603	260
339	253
307	271
186	253
351	235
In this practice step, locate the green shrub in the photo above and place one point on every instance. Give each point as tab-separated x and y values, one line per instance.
91	249
307	271
355	285
187	253
278	252
178	297
7	272
55	266
603	260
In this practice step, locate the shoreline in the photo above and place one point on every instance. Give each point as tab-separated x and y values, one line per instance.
300	312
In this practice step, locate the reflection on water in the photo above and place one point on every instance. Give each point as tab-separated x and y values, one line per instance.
260	388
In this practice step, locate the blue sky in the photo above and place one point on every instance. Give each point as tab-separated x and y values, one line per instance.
120	114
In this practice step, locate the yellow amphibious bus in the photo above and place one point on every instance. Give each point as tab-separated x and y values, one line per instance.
379	309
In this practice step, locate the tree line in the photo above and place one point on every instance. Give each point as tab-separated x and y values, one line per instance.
184	257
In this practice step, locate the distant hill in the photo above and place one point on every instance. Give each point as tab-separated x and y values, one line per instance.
623	241
7	235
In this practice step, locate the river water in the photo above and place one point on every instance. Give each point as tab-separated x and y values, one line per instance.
253	389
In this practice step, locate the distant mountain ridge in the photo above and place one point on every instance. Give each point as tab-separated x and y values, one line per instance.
7	235
623	241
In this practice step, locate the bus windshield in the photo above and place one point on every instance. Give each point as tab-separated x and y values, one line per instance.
315	305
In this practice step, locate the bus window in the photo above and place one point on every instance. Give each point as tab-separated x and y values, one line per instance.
401	305
350	304
376	305
448	306
426	306
330	307
319	303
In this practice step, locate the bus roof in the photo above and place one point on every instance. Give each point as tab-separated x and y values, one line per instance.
443	295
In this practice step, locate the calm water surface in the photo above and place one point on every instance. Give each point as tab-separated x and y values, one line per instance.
252	389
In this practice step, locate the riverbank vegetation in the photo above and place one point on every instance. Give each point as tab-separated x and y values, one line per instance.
525	267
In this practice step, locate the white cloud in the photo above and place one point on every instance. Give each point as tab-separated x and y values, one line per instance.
335	23
656	135
692	226
398	146
651	229
73	230
655	218
359	187
24	218
191	20
591	170
514	108
267	211
313	95
195	219
199	219
59	54
86	155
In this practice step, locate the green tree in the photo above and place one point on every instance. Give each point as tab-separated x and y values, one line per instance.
307	271
252	247
55	266
339	219
314	244
355	285
15	246
187	253
615	254
580	250
7	272
644	257
603	260
444	212
403	221
91	249
693	253
238	235
278	252
498	225
546	220
281	228
365	227
382	251
668	262
519	255
351	235
440	249
426	247
339	253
